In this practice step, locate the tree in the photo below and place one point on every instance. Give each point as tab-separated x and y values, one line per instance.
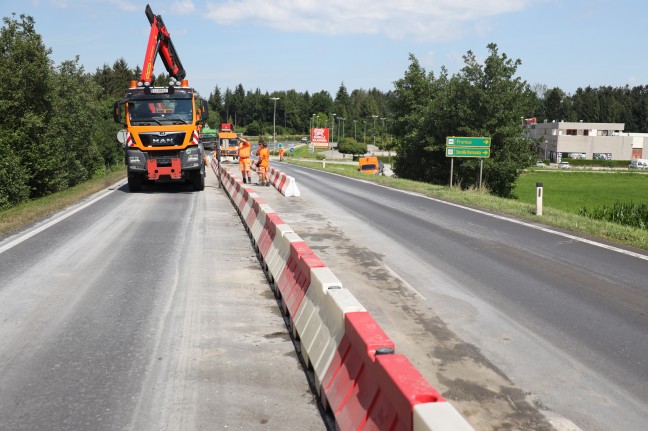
482	100
26	107
412	95
215	103
553	104
72	130
351	146
115	80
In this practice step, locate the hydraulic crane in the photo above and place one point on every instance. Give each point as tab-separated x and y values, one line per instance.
162	139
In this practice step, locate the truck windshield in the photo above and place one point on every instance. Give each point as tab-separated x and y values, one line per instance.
160	109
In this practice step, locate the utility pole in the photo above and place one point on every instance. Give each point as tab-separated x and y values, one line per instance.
383	133
374	129
274	128
364	139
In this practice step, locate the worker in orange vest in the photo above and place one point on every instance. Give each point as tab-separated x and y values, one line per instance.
243	154
281	153
263	165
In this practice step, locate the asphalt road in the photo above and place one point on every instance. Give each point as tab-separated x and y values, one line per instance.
560	323
144	311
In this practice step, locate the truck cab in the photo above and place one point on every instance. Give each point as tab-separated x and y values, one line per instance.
368	165
163	134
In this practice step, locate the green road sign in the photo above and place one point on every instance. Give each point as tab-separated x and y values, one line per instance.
477	152
458	141
280	145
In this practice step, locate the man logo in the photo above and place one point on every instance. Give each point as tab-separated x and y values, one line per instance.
160	140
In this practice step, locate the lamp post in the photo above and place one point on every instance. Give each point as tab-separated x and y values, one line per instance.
383	133
364	139
355	130
374	129
332	126
274	130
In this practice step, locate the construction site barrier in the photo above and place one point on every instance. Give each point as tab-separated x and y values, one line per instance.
319	323
358	375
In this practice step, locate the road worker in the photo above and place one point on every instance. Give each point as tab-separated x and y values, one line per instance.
243	154
263	165
281	153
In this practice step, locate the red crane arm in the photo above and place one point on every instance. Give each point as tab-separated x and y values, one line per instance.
160	42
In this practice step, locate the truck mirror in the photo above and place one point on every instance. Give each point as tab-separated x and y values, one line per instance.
204	108
117	112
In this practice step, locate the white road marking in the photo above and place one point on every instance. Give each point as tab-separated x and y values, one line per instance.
55	220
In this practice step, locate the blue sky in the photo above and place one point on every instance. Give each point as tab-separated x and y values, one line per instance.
311	45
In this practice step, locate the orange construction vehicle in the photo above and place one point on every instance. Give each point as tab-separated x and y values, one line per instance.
228	143
163	124
368	165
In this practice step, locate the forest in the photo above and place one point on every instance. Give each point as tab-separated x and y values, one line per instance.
56	126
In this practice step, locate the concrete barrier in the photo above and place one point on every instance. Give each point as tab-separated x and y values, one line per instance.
369	387
319	323
357	373
439	417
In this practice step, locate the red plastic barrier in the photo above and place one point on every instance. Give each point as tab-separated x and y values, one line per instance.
295	279
268	234
366	391
282	181
254	211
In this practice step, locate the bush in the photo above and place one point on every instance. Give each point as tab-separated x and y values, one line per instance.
351	146
623	213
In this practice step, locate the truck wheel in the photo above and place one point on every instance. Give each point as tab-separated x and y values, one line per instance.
198	181
134	182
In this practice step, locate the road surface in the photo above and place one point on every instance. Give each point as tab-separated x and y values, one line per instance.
145	311
516	324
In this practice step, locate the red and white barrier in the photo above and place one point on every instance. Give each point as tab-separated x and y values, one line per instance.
319	323
286	184
357	373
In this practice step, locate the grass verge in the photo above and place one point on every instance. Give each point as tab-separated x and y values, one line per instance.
30	212
557	218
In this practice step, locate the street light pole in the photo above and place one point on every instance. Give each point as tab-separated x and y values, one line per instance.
364	138
274	129
383	133
374	129
355	129
332	126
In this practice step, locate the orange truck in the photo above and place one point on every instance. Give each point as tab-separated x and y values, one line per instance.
162	138
369	165
228	143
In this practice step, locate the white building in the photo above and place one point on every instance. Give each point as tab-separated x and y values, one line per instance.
578	140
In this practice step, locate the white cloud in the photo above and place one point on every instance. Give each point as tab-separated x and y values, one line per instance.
125	5
182	7
398	19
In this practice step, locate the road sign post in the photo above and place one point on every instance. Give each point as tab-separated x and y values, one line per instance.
468	147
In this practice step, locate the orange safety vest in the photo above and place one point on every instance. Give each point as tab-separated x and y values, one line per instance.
264	157
244	153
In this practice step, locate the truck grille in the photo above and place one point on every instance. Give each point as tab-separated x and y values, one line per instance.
168	139
163	154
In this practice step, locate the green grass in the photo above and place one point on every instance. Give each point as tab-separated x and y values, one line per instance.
30	212
563	216
571	191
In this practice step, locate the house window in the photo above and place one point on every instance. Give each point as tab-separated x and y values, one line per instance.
571	132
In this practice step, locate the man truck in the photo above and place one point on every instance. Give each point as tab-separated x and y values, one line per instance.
162	138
